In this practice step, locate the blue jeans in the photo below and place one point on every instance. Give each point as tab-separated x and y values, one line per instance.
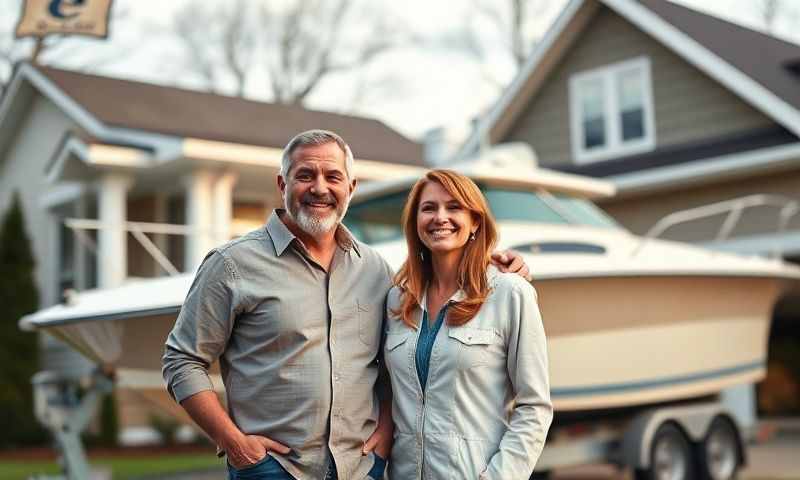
376	472
269	469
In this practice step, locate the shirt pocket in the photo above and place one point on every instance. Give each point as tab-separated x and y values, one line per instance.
394	354
394	340
370	322
474	345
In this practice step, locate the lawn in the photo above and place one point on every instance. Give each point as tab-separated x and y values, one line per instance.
124	466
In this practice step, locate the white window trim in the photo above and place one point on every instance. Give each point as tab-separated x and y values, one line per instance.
614	147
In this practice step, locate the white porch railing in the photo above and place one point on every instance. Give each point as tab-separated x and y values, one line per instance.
138	229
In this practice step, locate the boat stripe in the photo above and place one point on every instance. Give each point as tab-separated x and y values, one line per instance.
627	387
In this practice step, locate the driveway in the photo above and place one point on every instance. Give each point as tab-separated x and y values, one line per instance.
777	459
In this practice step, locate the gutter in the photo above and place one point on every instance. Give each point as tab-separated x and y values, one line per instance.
706	171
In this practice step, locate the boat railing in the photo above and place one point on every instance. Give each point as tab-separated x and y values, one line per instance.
787	208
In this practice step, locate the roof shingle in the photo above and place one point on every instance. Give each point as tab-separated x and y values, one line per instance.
186	113
764	58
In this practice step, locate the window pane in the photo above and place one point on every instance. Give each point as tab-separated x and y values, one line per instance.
585	212
67	259
520	206
378	219
593	113
631	101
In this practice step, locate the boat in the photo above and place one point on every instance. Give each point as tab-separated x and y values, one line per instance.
630	320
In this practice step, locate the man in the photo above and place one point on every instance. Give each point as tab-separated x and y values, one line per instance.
294	313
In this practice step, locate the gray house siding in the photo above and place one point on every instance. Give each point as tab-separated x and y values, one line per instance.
22	170
688	105
639	213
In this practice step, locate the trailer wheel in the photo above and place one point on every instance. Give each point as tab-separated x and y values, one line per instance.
670	456
719	452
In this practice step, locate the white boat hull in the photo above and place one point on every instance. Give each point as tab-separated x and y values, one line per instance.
613	341
619	342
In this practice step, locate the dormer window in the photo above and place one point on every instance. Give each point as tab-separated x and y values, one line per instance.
611	111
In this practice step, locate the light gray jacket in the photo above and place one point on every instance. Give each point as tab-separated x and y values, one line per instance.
486	408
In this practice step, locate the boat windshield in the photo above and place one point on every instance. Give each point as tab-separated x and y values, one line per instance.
378	219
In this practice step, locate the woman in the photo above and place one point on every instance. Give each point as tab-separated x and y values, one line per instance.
465	347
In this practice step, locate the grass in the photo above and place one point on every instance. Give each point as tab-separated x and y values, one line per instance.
123	467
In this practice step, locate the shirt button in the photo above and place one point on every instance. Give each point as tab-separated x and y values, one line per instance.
336	377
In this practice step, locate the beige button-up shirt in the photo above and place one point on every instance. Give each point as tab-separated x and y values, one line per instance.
297	345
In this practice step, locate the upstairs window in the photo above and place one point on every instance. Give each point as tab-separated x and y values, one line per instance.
611	111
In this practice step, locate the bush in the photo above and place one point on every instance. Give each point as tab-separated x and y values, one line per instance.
109	426
19	353
166	427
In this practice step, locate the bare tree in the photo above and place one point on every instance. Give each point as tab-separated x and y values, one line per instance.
771	11
296	45
219	41
510	23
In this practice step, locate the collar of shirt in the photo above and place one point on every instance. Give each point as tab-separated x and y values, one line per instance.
282	237
460	294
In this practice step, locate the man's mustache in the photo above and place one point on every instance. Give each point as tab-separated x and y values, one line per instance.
312	198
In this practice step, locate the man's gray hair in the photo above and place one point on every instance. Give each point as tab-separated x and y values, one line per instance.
316	137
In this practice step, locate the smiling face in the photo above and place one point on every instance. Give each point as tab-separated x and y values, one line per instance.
317	191
443	224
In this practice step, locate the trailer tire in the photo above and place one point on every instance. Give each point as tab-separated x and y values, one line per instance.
719	455
670	456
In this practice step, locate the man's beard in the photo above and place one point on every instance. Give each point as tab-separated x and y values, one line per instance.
310	223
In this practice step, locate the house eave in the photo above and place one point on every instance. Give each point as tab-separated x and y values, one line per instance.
77	160
270	158
706	171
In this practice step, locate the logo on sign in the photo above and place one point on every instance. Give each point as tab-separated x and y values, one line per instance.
55	8
66	17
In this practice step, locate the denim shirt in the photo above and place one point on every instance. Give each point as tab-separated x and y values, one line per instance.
427	337
486	409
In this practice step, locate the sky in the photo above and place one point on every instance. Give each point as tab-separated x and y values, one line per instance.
413	88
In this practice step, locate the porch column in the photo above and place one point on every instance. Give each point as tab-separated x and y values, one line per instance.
79	251
160	215
112	258
199	216
223	206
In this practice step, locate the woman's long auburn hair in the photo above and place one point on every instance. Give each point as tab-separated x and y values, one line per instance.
417	270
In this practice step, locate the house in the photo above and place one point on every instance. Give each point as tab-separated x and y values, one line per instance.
679	109
122	180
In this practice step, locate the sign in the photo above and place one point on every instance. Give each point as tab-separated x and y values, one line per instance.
67	17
